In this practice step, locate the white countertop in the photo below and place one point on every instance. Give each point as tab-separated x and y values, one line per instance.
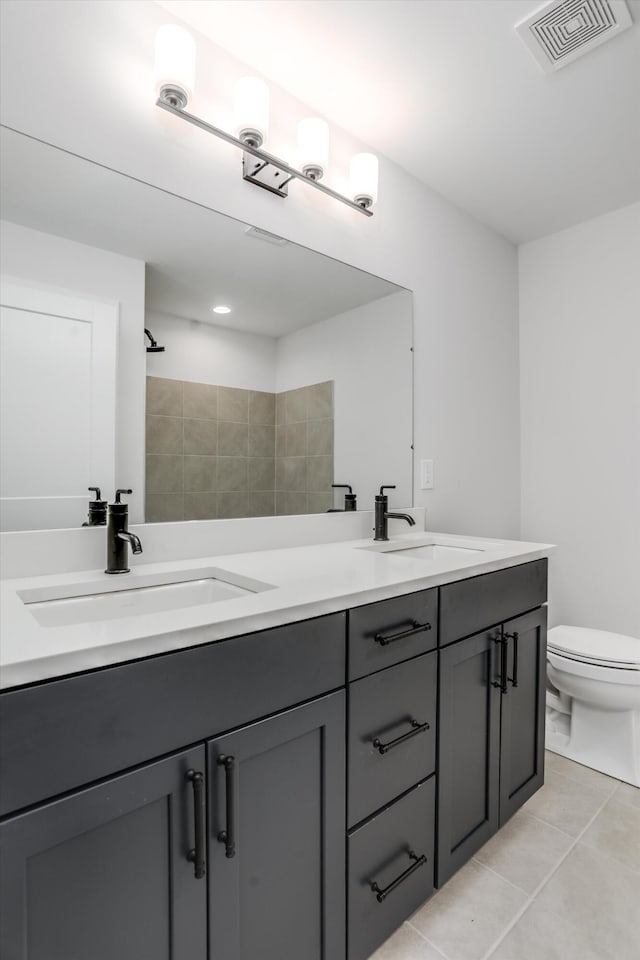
304	582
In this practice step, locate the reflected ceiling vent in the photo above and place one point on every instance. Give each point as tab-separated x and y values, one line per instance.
560	32
266	236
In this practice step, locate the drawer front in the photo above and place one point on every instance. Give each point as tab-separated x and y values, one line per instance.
469	606
392	733
387	851
381	634
66	733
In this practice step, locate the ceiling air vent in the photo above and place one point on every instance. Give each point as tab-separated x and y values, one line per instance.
266	236
560	32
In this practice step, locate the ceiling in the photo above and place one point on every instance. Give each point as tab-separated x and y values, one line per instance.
194	256
447	90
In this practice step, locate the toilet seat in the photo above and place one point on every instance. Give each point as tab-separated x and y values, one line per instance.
598	647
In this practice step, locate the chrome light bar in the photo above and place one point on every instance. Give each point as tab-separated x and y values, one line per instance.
260	167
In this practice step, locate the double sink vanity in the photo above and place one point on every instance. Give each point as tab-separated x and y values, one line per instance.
262	755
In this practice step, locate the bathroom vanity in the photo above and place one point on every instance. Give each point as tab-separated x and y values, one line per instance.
297	790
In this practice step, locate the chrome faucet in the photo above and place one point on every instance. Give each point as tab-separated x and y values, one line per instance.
382	514
118	537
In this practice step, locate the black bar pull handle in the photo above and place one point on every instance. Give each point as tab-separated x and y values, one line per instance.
382	894
514	636
228	836
196	856
385	638
502	682
416	727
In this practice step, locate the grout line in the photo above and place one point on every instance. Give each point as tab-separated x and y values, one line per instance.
484	866
627	803
426	940
552	825
582	782
544	882
609	856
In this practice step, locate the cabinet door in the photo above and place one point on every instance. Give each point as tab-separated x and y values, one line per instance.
523	711
469	745
104	873
277	885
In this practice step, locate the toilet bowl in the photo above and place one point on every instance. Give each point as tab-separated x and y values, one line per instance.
593	700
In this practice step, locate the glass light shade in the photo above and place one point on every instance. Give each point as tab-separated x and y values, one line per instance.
313	146
363	178
175	60
252	110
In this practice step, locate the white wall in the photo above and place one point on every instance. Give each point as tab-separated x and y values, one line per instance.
463	275
81	269
205	353
580	401
367	353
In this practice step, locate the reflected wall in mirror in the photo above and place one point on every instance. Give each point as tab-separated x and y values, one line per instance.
306	381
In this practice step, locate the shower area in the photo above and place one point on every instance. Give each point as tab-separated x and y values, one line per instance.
219	452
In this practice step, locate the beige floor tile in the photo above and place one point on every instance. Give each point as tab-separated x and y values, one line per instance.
578	772
600	897
628	794
616	832
565	804
469	914
406	944
543	935
525	851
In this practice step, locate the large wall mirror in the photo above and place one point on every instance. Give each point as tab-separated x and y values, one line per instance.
116	370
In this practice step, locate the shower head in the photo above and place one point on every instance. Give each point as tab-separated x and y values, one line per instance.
153	348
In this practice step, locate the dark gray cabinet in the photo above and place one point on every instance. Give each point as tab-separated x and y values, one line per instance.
130	868
276	837
390	868
108	852
104	873
523	711
391	762
392	733
491	734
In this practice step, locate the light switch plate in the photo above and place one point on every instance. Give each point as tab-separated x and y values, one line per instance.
426	474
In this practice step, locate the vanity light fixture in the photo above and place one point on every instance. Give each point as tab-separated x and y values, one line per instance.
313	147
175	72
221	309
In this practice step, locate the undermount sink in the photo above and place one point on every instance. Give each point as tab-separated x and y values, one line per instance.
437	551
89	602
438	548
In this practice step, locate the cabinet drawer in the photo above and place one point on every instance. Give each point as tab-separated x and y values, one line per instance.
382	853
384	633
469	606
390	748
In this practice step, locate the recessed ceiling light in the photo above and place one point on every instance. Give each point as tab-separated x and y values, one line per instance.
221	309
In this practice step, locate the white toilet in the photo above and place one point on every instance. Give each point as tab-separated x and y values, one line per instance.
593	700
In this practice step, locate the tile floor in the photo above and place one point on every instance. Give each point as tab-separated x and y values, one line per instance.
560	881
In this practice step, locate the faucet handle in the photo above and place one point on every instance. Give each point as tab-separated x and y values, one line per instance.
122	490
387	486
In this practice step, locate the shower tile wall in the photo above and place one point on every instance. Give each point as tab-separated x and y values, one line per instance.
211	451
304	449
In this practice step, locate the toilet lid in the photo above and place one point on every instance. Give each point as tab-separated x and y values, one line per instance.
595	646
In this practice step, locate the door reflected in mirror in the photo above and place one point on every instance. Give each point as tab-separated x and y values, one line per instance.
305	380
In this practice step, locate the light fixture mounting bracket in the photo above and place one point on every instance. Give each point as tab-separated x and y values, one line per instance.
264	174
